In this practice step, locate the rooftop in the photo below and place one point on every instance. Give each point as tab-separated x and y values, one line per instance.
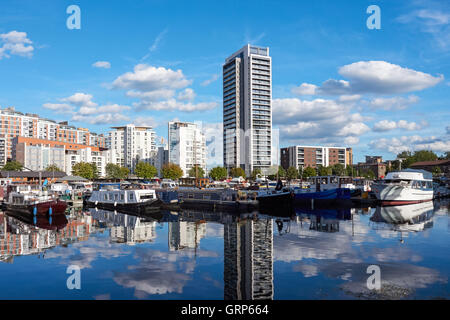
431	163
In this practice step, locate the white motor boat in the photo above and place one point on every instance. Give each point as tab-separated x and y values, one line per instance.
404	187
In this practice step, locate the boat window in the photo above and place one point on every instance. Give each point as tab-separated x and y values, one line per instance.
424	184
116	196
147	196
122	196
131	196
105	197
180	195
206	197
191	196
333	180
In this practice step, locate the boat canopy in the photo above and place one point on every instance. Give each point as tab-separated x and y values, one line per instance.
409	174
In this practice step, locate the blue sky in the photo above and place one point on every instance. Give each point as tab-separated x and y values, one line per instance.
335	82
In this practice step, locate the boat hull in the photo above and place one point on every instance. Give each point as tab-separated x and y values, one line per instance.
42	209
332	194
395	195
278	204
133	208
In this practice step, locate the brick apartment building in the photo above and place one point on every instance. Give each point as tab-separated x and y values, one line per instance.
313	156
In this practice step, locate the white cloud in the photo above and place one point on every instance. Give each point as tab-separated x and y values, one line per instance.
109	108
353	129
104	118
15	43
318	121
173	105
207	82
379	77
102	64
349	97
386	125
59	107
432	21
82	109
305	89
156	88
80	99
394	103
411	143
214	143
148	78
158	40
145	121
186	95
152	95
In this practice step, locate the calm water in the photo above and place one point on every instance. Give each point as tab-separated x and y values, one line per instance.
322	254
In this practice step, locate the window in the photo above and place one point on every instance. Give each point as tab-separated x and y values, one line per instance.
131	196
105	197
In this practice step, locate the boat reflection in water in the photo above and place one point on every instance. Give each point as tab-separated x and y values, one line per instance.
324	220
22	235
413	217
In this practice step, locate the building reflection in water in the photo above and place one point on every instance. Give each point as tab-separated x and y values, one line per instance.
124	228
185	234
248	259
18	236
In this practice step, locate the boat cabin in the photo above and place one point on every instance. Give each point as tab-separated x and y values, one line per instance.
332	182
122	196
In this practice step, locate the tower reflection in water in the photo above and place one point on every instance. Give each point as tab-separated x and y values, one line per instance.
248	259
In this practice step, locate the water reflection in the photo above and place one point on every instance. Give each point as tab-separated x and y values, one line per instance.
413	217
197	254
248	259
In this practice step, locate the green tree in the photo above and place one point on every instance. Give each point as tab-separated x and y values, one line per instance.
199	173
309	172
338	169
13	166
418	156
425	155
123	172
437	171
281	172
171	171
112	171
255	173
237	172
84	169
324	171
54	168
291	173
145	170
368	174
350	171
218	173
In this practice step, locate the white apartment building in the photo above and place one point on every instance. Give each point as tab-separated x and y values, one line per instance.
187	146
39	157
131	144
247	109
86	155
